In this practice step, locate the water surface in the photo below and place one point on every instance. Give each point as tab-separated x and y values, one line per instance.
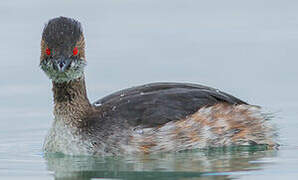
246	48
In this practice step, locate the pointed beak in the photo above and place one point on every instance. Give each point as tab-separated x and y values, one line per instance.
62	64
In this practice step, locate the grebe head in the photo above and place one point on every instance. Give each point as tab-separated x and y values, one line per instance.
63	50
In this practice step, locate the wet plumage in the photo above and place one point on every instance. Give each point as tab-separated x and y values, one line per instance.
152	118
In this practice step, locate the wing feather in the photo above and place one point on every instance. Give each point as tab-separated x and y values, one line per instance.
158	103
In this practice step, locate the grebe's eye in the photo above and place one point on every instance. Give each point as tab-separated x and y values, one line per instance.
48	51
75	51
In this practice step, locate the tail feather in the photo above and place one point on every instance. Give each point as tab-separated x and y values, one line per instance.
214	126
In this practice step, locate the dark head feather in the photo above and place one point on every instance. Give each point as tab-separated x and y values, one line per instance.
62	32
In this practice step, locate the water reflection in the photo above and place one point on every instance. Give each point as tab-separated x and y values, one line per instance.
212	164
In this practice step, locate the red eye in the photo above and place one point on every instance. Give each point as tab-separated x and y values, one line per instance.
48	51
75	51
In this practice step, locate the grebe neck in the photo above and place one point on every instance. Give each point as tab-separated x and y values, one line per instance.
70	101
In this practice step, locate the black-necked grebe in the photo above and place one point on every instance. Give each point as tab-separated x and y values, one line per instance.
158	117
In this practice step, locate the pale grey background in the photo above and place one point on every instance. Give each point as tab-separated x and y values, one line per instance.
246	48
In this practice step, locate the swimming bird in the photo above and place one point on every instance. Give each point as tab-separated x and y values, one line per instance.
151	118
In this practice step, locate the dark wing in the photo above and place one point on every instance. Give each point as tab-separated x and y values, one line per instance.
158	103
